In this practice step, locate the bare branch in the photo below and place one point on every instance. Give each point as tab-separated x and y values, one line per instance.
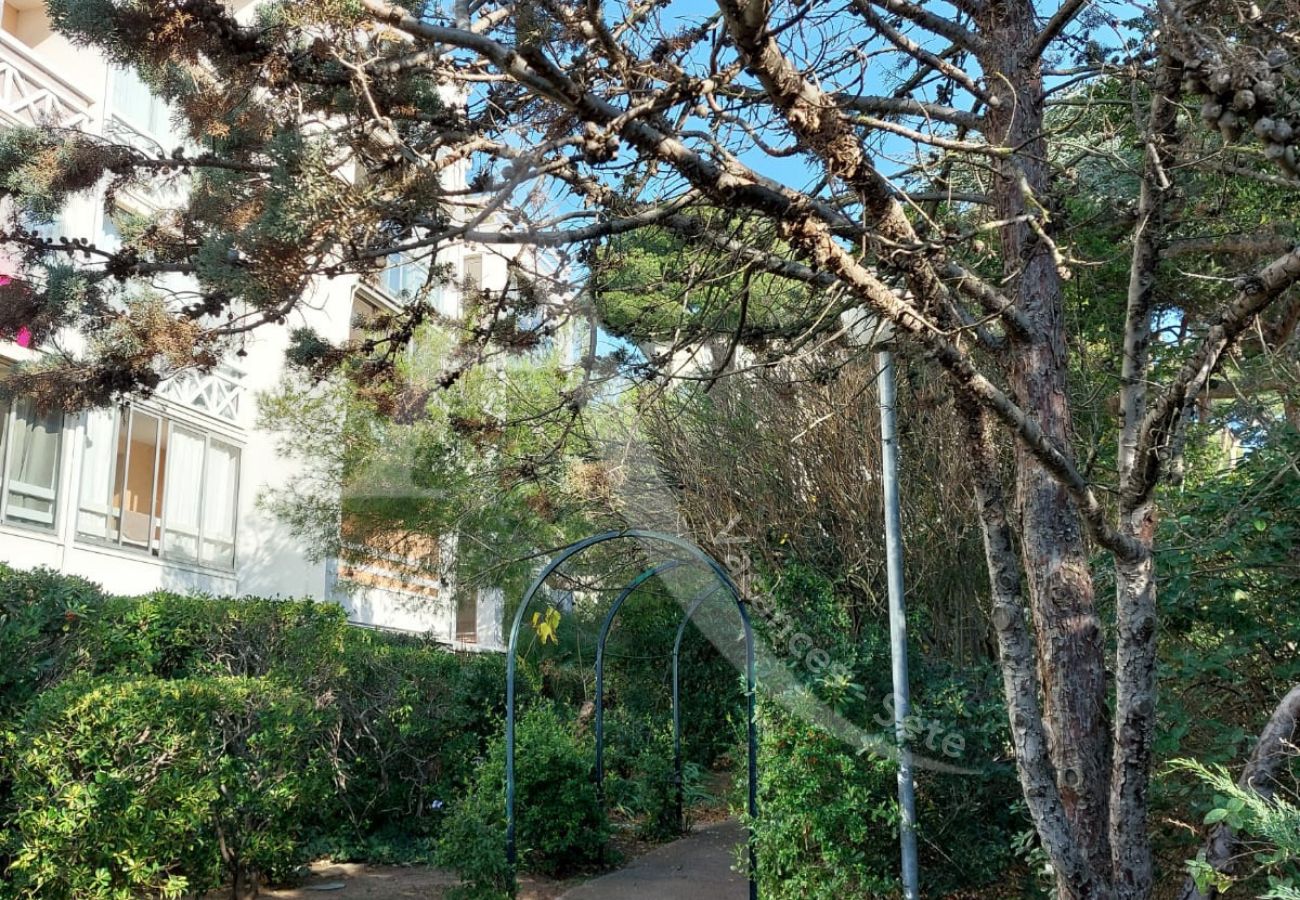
1067	13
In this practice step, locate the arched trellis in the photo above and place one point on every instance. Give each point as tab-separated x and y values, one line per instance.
694	556
605	627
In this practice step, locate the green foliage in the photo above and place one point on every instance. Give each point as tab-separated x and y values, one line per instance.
560	825
154	786
395	723
824	813
825	803
473	846
40	613
416	718
1270	829
482	456
651	285
640	781
828	813
1231	609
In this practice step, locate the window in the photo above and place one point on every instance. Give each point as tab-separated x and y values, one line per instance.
467	618
32	442
135	103
474	271
404	277
363	314
156	485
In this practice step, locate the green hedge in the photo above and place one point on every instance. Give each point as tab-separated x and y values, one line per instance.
129	788
399	724
560	823
828	814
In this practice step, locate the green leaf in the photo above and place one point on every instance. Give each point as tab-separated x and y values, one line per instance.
1214	816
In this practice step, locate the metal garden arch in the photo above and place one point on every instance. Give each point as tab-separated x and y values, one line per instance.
693	556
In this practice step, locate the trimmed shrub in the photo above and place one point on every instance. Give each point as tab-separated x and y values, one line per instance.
41	612
180	636
154	787
560	824
408	720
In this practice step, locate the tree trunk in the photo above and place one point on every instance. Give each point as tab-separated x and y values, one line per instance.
1060	589
1135	587
1020	681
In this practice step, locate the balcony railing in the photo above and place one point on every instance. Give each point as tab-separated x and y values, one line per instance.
218	393
32	94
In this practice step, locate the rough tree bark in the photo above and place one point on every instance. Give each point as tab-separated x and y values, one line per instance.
1071	651
1019	674
1135	600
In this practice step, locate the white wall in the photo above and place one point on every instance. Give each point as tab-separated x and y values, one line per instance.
270	560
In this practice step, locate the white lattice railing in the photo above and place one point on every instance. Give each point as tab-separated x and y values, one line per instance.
33	94
218	393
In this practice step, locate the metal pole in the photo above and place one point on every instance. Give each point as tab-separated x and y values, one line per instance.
897	621
751	710
605	626
677	706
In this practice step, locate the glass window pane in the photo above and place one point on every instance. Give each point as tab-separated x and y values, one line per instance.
138	496
33	464
221	489
135	103
474	271
467	617
363	313
183	493
98	461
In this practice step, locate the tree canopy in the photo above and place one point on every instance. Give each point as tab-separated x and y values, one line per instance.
1077	216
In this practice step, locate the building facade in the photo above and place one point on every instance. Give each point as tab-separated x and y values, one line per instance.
163	493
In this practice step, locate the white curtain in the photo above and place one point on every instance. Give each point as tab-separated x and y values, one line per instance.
491	607
182	493
97	459
219	500
33	464
135	103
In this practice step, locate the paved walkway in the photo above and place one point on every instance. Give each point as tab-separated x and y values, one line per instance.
697	867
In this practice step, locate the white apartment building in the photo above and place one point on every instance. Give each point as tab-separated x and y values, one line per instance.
162	493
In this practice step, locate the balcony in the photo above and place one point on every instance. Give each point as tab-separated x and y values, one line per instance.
32	94
404	277
218	393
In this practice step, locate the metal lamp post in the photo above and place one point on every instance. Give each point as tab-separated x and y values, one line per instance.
866	330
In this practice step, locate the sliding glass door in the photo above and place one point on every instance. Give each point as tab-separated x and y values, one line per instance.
150	483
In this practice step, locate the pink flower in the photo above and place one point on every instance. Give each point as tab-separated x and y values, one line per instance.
24	337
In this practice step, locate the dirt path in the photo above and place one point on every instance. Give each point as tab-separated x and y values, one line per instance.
697	867
354	881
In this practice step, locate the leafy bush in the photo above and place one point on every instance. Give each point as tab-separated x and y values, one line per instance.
409	719
473	846
416	719
828	818
152	786
179	636
1230	603
825	814
40	612
560	824
640	781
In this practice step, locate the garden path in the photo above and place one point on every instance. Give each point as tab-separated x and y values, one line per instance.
697	867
